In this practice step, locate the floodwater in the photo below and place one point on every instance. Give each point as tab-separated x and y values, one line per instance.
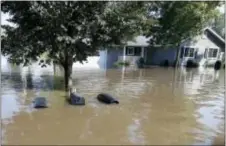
157	106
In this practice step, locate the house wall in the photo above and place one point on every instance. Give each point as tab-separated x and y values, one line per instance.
102	62
112	56
155	56
149	55
131	59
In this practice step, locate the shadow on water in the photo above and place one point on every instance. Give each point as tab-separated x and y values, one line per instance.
157	106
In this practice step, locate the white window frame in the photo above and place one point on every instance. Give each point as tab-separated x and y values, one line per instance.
195	49
212	57
129	54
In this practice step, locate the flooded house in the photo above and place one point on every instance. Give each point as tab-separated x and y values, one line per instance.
131	52
204	50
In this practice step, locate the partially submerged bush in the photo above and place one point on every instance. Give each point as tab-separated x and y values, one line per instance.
140	62
165	63
217	65
126	63
121	63
191	63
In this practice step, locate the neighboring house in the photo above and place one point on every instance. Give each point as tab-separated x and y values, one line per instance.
205	49
131	52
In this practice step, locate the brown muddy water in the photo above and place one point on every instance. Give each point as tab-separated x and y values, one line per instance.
157	106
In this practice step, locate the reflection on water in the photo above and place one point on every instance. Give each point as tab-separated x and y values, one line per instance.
157	106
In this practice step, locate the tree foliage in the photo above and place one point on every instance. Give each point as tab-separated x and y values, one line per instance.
219	25
180	20
67	30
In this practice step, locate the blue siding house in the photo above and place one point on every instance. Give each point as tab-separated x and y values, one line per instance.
204	49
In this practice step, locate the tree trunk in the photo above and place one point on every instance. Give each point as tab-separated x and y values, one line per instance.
54	68
68	77
68	62
178	56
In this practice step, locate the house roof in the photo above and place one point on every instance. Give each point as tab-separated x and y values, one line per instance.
143	41
139	41
217	39
215	34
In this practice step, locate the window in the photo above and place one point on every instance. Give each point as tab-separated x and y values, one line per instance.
137	51
133	51
212	53
129	50
189	52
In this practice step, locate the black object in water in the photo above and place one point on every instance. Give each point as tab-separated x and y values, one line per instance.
191	64
106	98
76	99
165	63
217	65
40	102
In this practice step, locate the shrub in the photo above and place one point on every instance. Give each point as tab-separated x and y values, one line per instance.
140	62
121	63
126	63
191	63
217	65
165	63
